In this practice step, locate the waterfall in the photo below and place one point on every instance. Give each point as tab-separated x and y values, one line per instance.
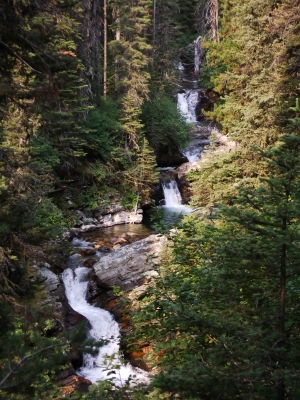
186	103
171	193
192	154
103	326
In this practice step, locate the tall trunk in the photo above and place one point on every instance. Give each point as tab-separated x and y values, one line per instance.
154	29
215	20
105	50
118	37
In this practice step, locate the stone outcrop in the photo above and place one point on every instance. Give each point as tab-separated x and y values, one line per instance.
103	218
127	267
122	217
70	382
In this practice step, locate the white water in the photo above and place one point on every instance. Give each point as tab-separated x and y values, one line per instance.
171	193
103	326
192	154
186	103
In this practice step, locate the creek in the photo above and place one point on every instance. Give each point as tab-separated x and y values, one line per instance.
106	364
102	325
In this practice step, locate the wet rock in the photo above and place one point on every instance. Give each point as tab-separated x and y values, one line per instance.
115	240
90	262
70	382
138	358
91	227
87	252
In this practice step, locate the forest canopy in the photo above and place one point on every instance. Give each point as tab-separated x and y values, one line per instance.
87	100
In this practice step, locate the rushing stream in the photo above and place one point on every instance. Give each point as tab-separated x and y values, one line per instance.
102	324
103	327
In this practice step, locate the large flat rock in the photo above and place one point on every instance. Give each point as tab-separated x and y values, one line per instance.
127	267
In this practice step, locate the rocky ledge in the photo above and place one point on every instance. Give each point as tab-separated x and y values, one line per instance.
128	266
102	218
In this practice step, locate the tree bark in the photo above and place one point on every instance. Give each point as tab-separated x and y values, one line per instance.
105	50
154	30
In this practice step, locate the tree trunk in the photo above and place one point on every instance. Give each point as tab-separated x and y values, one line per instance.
215	20
105	50
118	37
154	29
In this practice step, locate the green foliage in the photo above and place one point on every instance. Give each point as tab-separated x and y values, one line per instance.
221	317
103	128
164	124
253	68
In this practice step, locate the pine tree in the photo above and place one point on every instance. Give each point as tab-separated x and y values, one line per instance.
131	51
253	68
224	315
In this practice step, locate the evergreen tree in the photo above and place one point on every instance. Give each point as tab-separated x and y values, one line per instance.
253	68
131	51
224	315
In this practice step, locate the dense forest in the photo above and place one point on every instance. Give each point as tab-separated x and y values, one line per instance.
87	101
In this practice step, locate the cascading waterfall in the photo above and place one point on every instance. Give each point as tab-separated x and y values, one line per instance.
187	100
186	103
103	327
173	209
171	193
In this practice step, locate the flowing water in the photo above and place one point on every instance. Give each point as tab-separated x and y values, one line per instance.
173	210
171	193
103	327
186	103
102	324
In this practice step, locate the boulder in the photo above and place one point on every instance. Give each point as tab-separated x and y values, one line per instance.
50	279
111	209
125	267
122	217
70	382
87	252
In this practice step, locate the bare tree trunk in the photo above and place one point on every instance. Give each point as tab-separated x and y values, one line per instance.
154	29
105	50
215	20
207	19
118	37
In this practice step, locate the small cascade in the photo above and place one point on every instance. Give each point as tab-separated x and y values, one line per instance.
171	193
103	327
193	153
186	103
173	209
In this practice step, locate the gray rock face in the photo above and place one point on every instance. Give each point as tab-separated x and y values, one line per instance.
50	279
128	266
105	220
122	217
111	209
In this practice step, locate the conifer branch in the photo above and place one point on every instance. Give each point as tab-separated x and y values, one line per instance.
19	57
23	359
